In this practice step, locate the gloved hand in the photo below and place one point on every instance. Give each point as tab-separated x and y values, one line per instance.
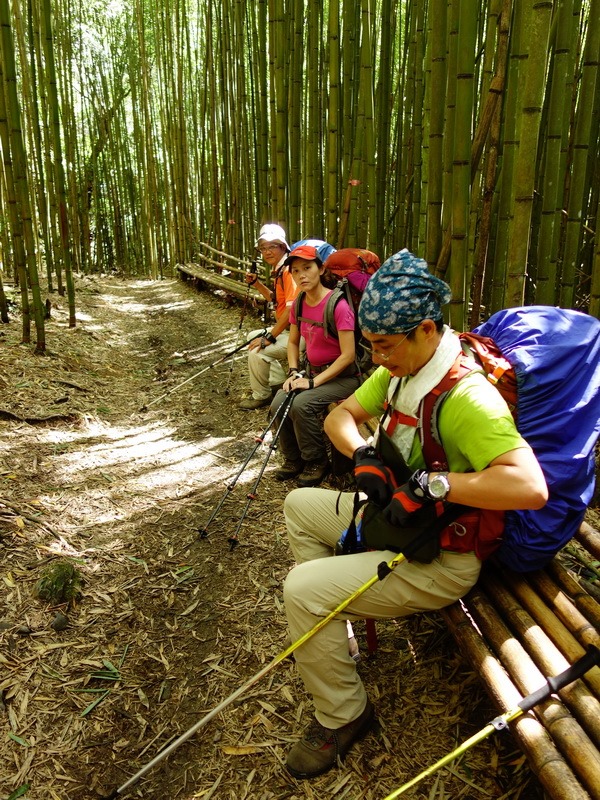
408	498
372	476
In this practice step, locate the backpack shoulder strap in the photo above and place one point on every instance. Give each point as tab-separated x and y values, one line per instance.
431	442
298	307
336	295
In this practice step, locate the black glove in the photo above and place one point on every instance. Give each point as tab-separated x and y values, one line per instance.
407	499
372	476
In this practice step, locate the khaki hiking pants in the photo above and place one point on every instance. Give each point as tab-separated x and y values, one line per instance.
267	368
320	581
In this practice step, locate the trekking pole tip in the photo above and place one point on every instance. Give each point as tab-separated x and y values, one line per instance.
112	796
233	543
202	533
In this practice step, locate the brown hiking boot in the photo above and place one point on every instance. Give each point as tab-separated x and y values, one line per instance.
320	747
289	469
251	403
313	473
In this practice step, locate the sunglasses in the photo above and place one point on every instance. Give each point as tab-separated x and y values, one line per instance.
386	356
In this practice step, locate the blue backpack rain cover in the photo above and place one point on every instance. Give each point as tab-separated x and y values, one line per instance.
555	354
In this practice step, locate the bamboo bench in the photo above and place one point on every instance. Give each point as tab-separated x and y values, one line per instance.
516	630
223	271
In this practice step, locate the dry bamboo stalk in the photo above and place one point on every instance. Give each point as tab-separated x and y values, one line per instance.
588	605
589	538
564	609
550	767
566	732
559	633
547	656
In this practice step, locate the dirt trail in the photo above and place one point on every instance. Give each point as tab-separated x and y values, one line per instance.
167	625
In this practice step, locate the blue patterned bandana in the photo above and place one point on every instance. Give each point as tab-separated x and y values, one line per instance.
400	295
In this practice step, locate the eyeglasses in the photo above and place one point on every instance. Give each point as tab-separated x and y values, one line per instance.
269	249
386	356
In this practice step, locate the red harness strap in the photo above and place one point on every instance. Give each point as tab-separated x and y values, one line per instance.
477	530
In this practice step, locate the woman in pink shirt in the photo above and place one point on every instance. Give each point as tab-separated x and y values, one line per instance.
331	372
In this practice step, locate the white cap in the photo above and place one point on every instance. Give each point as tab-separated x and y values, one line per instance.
272	233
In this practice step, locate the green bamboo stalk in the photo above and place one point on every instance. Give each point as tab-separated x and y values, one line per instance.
437	52
579	187
332	196
461	159
524	177
18	151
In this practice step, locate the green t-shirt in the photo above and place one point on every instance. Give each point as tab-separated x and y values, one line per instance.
475	423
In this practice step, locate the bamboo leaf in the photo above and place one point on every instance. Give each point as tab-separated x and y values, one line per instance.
18	739
93	705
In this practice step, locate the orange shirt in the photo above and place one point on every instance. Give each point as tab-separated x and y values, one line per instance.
285	289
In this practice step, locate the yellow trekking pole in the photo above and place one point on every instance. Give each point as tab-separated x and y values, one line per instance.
383	570
576	670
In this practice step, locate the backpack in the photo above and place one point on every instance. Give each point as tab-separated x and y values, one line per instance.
352	267
545	362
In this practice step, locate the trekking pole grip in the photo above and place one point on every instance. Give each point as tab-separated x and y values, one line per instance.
553	684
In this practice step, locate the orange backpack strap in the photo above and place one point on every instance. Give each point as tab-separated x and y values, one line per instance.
498	369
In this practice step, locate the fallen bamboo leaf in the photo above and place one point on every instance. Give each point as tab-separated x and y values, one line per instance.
18	792
18	739
93	705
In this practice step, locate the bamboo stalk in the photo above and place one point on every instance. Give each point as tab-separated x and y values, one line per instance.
588	605
565	610
589	538
566	732
546	655
556	630
550	767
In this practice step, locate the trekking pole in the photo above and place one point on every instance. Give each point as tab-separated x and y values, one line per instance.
202	371
576	670
203	531
383	570
284	409
254	271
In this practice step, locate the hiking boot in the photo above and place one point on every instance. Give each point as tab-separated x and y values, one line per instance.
289	469
313	473
320	747
250	403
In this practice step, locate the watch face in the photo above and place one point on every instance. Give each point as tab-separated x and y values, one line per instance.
439	487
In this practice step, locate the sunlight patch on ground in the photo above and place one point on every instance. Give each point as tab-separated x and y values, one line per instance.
142	465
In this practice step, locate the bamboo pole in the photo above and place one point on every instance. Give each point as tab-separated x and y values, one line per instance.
589	538
589	607
562	637
568	734
585	632
544	758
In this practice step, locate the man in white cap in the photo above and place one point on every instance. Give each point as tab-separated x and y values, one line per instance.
266	353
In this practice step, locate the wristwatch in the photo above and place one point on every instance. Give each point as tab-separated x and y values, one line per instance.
438	486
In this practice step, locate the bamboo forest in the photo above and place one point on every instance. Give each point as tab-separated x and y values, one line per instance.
266	533
132	131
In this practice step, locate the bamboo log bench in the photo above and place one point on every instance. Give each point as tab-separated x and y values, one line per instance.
516	630
223	271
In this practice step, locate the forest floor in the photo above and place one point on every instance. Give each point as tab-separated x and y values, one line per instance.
165	625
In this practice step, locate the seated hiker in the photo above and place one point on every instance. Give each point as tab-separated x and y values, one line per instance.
267	354
331	373
491	467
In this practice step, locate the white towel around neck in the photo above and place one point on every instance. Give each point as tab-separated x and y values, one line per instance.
413	388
